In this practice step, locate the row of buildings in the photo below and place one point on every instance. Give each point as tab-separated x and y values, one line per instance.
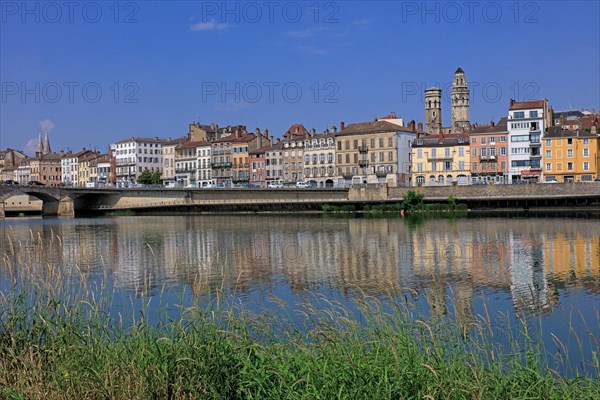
531	143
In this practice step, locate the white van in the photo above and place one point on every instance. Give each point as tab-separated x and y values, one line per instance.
208	184
302	185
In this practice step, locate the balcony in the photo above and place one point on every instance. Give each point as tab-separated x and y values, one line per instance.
381	173
363	149
184	170
220	165
439	158
487	158
363	163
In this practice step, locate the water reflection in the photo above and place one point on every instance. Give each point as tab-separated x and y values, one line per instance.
529	259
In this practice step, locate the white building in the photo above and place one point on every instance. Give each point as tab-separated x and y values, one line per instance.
69	167
134	155
527	121
203	155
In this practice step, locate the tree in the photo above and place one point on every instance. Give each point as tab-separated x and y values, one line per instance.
149	178
412	200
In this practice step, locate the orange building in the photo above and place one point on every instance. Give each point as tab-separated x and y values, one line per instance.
571	156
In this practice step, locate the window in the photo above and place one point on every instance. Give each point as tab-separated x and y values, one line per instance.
586	141
570	142
461	165
419	153
390	142
586	166
483	140
519	114
548	153
548	142
492	140
461	151
447	152
502	139
380	142
533	114
355	144
474	140
434	166
420	167
570	153
548	167
474	152
586	152
339	145
372	143
483	152
569	166
503	165
447	166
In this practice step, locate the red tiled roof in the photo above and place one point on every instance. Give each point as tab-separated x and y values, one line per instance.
296	129
518	105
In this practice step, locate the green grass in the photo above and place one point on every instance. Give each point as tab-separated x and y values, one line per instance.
57	341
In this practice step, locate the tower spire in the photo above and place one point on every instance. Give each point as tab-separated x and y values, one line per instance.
46	142
40	147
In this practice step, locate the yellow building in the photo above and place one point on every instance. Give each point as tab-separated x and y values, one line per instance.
439	160
570	156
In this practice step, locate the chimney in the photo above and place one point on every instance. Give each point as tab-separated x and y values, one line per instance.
267	133
342	126
334	129
492	124
411	125
511	102
278	140
420	127
257	132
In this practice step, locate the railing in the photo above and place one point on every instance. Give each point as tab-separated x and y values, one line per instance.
363	163
363	149
438	158
220	165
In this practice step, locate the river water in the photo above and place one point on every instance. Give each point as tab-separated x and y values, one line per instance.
547	269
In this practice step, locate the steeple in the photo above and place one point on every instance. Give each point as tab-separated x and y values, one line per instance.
460	102
46	149
40	148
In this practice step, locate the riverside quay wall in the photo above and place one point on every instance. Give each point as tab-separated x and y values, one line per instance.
541	195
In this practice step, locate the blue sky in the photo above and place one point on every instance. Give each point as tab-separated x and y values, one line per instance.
97	73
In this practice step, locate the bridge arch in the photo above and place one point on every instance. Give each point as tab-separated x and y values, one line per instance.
53	201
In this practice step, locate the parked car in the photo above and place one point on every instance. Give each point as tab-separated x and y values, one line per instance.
10	182
35	183
597	179
302	185
521	182
275	185
551	180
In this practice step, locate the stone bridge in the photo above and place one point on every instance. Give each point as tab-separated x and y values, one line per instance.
68	202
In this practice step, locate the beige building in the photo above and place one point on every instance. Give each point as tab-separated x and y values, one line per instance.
374	152
439	160
293	154
168	160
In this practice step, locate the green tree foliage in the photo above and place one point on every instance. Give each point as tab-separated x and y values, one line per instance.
149	178
412	201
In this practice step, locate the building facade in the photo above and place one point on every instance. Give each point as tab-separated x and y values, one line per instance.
134	155
273	163
374	152
319	159
570	156
293	154
489	153
441	160
527	121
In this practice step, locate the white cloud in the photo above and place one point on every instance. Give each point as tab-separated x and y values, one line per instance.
313	50
30	147
211	25
46	125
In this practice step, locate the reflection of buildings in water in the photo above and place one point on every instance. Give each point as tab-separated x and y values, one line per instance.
573	258
529	287
443	257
